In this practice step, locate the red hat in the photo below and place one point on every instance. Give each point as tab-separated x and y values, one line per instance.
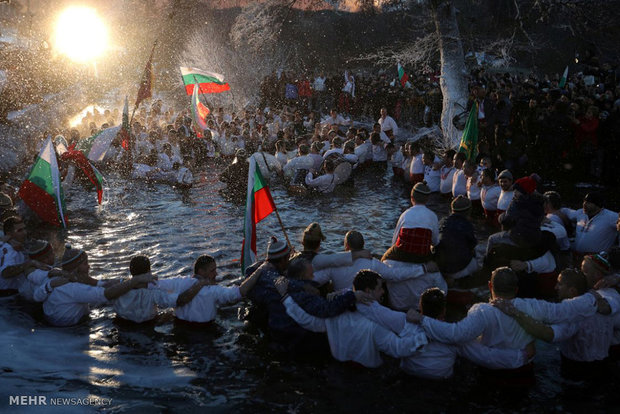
526	185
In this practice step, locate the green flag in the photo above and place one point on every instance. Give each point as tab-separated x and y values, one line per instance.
469	141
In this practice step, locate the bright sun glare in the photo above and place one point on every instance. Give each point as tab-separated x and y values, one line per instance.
80	34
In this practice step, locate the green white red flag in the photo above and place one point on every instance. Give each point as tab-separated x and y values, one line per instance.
259	205
199	110
95	177
402	76
210	82
469	141
42	190
96	147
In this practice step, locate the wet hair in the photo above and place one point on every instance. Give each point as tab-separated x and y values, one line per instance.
297	268
432	302
311	244
354	239
487	172
202	262
575	279
450	153
304	149
505	281
460	156
553	198
139	265
9	224
316	146
375	138
366	279
329	165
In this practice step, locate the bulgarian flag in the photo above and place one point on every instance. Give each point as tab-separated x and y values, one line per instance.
469	141
258	205
209	82
97	146
42	191
402	76
87	168
199	110
563	78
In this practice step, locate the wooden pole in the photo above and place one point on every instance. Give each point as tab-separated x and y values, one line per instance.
284	230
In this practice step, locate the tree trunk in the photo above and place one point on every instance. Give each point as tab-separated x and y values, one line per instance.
453	80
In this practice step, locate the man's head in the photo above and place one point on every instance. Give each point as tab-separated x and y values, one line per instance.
278	254
469	168
371	282
595	267
205	268
571	283
15	229
488	177
459	159
433	303
593	203
505	180
419	194
448	158
552	201
139	265
428	158
300	268
504	283
75	260
312	237
461	205
384	112
353	240
41	251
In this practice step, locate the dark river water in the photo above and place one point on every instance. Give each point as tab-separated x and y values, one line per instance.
228	367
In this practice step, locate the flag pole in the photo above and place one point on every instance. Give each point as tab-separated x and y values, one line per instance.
284	230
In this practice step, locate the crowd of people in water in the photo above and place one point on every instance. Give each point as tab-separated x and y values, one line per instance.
350	303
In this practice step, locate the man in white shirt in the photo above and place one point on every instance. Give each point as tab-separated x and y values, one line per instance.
584	342
324	183
142	304
42	252
505	180
595	226
416	169
302	162
13	263
416	231
473	185
335	118
68	300
379	141
484	322
199	296
342	277
388	125
436	360
363	149
489	196
432	175
352	336
459	180
447	172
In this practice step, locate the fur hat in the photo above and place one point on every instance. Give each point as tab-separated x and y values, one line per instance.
600	261
505	174
460	203
313	233
37	249
526	185
277	249
72	258
421	188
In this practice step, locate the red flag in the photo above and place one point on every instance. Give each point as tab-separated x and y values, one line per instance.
87	168
147	80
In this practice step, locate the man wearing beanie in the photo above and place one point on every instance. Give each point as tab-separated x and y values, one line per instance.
13	262
68	303
595	226
42	252
455	252
505	198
